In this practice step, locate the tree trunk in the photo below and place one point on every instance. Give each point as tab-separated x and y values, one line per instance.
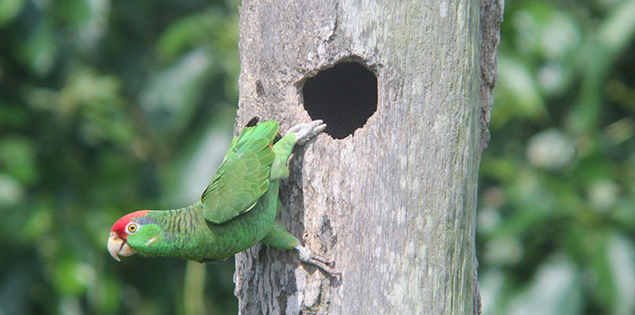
389	191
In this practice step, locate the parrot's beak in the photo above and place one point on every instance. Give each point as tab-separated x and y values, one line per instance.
117	246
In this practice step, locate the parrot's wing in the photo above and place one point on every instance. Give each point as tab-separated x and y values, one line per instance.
243	177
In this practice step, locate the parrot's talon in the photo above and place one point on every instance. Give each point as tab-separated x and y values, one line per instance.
322	260
304	132
307	256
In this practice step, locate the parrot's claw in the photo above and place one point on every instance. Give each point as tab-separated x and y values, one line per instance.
307	256
304	132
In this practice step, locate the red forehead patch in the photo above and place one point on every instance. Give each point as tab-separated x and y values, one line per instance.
120	225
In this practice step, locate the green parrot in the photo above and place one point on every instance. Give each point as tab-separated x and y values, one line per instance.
235	212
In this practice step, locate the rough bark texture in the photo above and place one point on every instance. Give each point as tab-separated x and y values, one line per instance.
491	19
393	204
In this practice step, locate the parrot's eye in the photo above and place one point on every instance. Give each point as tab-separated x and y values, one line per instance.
131	228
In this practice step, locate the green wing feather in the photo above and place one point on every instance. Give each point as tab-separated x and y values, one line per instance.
243	177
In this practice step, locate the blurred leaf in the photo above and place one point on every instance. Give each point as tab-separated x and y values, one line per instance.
621	253
598	54
551	149
17	159
555	290
172	94
503	251
70	276
545	31
104	297
517	95
621	94
73	11
603	194
492	284
620	131
190	32
193	167
9	9
619	28
39	50
13	115
39	223
11	192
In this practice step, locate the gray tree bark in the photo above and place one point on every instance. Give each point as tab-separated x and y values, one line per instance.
394	204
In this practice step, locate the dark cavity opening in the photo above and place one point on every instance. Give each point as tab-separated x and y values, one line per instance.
343	96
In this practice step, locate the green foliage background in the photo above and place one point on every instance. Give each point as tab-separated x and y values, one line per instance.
112	106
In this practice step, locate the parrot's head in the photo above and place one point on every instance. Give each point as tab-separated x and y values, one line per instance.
130	234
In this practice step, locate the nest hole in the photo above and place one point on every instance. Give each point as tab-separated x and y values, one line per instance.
343	96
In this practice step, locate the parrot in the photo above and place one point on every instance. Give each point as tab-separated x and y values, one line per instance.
236	211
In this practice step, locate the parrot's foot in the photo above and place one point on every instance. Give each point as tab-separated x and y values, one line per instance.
304	132
307	256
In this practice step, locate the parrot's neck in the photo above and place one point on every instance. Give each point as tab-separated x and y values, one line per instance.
176	227
178	222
